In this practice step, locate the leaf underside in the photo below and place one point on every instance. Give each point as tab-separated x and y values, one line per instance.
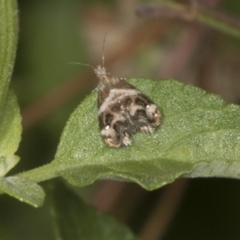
23	189
197	130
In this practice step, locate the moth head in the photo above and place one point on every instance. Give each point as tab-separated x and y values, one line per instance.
100	71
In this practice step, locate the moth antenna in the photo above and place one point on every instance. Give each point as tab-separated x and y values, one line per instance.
83	64
103	50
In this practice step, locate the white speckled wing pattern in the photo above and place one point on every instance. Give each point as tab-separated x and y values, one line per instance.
123	110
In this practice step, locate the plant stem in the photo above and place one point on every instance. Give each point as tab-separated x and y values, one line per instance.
40	174
210	17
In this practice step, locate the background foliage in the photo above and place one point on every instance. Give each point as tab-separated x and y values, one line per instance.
48	89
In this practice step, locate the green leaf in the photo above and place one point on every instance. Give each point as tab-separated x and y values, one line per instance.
23	189
198	131
8	45
10	127
76	220
10	136
7	163
10	120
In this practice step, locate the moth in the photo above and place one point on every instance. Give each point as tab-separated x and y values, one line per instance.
123	110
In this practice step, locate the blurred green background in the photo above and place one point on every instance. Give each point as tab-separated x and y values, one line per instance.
54	33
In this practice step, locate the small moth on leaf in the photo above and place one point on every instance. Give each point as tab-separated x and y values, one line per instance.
123	110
